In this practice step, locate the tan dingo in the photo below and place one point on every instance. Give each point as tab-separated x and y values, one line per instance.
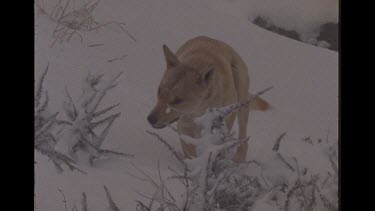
204	73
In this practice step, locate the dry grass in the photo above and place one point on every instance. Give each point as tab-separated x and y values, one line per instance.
72	20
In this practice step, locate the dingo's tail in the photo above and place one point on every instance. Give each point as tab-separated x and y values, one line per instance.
259	104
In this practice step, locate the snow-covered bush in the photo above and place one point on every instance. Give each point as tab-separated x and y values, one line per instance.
213	182
61	140
83	119
75	18
112	206
293	186
212	179
45	124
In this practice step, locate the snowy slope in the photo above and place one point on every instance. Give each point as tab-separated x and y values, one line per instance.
302	16
304	95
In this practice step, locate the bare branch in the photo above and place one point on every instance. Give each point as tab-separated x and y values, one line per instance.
169	147
333	164
64	200
106	151
277	143
91	107
329	205
39	87
43	107
142	207
96	114
118	58
95	45
72	115
283	160
162	183
84	202
50	121
112	204
290	193
110	120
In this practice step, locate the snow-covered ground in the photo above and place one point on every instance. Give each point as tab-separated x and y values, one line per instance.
302	16
304	98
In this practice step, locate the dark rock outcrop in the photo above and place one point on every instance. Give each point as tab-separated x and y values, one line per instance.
328	32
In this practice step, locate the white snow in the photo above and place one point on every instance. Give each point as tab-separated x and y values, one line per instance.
304	98
303	16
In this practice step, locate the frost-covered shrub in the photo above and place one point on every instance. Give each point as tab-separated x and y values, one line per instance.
213	182
294	184
45	124
75	18
296	187
61	140
84	117
112	206
218	183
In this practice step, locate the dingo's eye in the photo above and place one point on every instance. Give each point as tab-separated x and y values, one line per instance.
177	101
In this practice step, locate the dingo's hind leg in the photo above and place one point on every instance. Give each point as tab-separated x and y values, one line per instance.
243	116
242	83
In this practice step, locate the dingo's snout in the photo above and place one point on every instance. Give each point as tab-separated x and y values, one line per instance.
152	119
159	118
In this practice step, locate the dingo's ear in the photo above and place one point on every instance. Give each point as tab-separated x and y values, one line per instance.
170	58
207	74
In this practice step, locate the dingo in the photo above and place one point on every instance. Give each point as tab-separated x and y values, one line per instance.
203	73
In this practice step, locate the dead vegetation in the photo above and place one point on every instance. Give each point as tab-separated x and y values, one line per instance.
112	206
61	140
73	18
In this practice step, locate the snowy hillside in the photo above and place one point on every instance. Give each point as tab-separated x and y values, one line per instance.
306	20
304	97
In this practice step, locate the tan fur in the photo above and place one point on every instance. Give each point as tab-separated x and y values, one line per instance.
203	73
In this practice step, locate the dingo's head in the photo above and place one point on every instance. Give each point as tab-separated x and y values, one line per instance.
181	91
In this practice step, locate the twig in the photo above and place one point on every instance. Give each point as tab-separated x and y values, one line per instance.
142	206
106	151
42	107
225	177
299	178
74	208
59	158
40	8
112	204
283	160
333	165
169	147
104	133
162	182
328	131
329	205
153	182
49	123
75	113
39	86
64	200
277	143
96	114
119	24
289	194
84	202
261	170
117	58
95	45
187	188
